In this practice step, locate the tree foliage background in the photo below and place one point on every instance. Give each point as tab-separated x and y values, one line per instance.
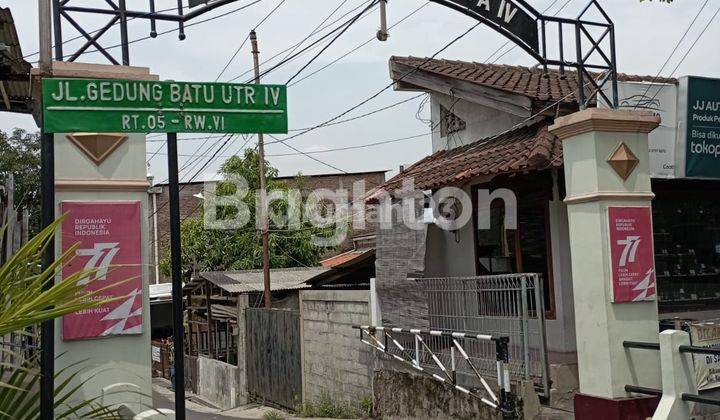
241	249
20	156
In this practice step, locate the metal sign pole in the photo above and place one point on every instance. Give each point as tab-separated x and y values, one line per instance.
47	216
176	267
47	197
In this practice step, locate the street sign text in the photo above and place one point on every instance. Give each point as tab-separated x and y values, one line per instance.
102	105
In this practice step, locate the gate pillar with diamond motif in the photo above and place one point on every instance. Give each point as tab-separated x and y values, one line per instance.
101	186
608	196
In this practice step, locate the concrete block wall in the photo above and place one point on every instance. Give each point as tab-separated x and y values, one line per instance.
218	382
334	361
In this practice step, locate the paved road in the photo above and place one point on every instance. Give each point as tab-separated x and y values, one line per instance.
193	411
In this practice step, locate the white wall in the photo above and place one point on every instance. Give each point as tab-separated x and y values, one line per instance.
450	253
480	121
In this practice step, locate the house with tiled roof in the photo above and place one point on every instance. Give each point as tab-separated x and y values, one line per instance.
490	139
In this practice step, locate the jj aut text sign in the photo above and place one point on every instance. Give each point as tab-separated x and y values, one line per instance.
103	105
702	131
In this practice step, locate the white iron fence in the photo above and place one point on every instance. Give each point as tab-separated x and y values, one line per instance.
509	305
427	352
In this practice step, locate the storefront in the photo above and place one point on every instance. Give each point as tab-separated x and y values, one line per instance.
686	221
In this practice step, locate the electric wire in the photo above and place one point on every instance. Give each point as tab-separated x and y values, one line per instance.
332	41
263	20
508	42
378	93
339	149
247	37
513	46
371	39
100	29
367	114
316	28
291	47
687	52
315	43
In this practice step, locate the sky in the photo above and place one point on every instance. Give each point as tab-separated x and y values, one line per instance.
646	34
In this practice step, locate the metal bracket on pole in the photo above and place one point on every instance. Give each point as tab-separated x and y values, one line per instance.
382	33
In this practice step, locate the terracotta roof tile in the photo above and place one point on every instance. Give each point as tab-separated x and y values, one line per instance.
530	82
531	147
342	258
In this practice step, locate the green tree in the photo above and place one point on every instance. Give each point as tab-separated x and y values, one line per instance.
20	156
240	249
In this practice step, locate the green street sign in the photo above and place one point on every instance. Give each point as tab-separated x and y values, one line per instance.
138	106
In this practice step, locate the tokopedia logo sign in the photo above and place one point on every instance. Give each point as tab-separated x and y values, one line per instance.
702	153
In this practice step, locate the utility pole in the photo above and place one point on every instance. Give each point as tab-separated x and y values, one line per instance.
263	193
47	215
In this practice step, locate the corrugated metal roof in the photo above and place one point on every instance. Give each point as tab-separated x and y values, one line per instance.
252	280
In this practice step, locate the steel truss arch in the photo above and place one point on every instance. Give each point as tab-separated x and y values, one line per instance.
119	14
494	13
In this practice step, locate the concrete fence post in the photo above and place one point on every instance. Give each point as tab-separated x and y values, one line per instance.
678	376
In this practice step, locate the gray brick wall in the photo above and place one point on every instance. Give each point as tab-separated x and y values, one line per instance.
334	361
400	256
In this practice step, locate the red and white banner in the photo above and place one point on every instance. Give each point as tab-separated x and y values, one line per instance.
631	254
108	233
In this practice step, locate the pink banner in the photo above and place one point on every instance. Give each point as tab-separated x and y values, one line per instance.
108	234
631	254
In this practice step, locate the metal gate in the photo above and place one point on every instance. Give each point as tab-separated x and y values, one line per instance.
274	372
510	305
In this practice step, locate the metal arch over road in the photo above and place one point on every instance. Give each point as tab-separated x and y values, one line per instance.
515	19
119	13
528	29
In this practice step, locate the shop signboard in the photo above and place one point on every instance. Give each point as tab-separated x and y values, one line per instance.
140	106
699	127
661	100
707	366
631	254
107	234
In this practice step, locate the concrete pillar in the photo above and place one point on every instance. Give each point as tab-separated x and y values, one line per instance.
116	368
594	184
678	376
